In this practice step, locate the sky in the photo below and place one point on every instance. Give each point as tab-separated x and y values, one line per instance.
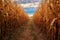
27	1
29	5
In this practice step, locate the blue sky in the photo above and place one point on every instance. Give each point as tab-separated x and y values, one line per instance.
27	7
28	1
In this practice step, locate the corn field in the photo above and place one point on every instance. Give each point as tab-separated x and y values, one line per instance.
15	24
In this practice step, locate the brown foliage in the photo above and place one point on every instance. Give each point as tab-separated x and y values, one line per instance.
59	28
12	18
44	16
